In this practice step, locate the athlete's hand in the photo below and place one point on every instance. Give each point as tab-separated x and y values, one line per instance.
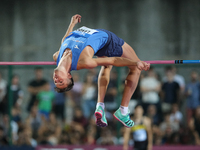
141	65
76	19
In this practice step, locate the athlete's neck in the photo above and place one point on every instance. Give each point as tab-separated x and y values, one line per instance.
66	61
138	118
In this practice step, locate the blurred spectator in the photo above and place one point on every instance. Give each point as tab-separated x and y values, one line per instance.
150	88
45	100
83	130
186	137
64	139
194	126
34	119
77	134
35	86
107	137
15	128
179	79
110	119
141	131
192	93
94	73
3	85
79	118
175	139
58	103
17	93
3	138
22	140
91	132
176	115
110	97
167	123
157	135
176	77
25	138
50	131
4	122
43	138
121	138
89	96
168	128
170	91
16	115
54	128
153	115
76	92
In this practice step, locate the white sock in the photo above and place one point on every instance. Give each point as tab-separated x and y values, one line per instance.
124	110
100	104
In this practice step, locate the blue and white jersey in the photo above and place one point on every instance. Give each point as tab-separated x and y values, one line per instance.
81	38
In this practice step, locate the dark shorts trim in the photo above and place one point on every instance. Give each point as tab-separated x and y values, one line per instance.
140	145
113	46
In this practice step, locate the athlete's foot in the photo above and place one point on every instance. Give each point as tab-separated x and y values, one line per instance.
100	117
124	119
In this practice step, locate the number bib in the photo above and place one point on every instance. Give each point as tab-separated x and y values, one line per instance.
84	31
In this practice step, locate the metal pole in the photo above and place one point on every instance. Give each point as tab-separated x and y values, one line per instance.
10	99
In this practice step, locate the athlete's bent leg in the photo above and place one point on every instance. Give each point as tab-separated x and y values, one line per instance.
131	82
133	76
103	81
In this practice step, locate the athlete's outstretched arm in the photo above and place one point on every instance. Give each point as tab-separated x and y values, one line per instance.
75	19
114	61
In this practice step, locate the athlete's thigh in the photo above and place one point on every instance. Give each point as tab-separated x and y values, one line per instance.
129	53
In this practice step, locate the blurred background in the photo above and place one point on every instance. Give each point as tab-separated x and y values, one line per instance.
32	114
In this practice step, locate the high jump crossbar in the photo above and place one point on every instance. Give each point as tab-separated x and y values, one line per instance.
151	62
174	62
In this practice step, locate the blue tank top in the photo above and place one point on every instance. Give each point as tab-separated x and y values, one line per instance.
81	38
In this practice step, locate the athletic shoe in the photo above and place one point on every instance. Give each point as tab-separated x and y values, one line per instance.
100	117
124	119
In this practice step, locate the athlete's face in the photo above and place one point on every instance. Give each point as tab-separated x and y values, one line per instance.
139	111
61	79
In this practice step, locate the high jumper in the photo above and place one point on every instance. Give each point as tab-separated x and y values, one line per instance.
76	52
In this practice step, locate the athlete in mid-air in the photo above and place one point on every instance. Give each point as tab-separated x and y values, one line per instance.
76	52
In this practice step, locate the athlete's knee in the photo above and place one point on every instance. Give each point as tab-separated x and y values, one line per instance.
108	67
104	75
105	70
134	70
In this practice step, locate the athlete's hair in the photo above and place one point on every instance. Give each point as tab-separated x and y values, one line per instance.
139	105
69	87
